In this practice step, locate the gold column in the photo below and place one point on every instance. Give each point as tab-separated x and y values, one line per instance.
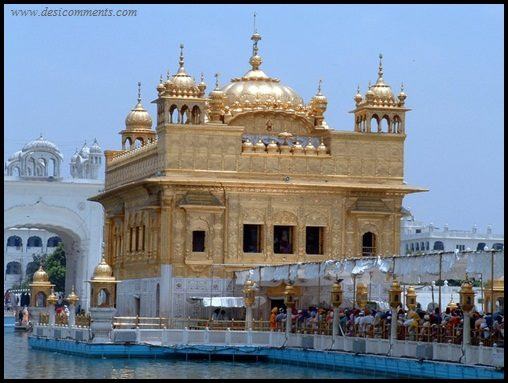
165	227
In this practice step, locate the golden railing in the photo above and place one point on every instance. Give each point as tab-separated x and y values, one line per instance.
44	318
83	320
61	319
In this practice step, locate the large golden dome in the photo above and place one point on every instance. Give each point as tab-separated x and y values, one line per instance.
257	90
40	275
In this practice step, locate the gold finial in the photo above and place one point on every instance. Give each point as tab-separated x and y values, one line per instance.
216	75
370	85
255	60
319	87
255	30
402	87
358	89
161	79
202	77
380	70
139	92
167	75
181	62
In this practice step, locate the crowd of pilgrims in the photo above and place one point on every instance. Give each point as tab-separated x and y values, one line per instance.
417	324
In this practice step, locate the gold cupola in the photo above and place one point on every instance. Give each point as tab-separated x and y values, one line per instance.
380	111
182	85
257	91
40	275
138	118
318	105
72	298
103	271
138	126
216	103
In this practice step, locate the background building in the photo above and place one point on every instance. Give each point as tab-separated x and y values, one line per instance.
419	237
42	208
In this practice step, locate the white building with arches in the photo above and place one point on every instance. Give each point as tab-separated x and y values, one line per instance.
42	208
419	237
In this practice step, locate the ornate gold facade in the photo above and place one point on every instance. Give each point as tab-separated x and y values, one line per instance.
252	153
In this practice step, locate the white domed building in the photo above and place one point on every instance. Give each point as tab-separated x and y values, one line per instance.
42	209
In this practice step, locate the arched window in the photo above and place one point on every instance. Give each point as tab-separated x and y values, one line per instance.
139	142
172	114
369	244
481	246
497	246
438	245
396	128
13	268
412	247
31	268
427	245
14	241
384	124
184	115
54	241
196	115
40	299
103	298
127	142
34	242
374	127
15	171
417	246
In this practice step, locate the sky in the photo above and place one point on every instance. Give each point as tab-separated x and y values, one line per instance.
74	78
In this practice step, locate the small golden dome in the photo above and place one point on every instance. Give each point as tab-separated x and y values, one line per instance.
72	298
272	147
260	146
451	305
310	149
297	148
247	145
380	91
40	275
138	117
358	97
52	298
103	271
321	148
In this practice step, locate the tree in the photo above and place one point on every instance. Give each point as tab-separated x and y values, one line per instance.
55	267
53	264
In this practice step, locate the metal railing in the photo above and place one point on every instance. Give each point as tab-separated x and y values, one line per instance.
441	333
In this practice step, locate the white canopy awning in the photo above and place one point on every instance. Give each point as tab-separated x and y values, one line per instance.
411	269
227	301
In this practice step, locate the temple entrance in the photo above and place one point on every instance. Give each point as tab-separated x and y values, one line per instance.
276	303
69	228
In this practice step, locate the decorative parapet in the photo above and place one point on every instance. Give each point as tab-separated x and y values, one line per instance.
123	156
284	145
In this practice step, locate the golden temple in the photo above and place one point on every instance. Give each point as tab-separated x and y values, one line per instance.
251	175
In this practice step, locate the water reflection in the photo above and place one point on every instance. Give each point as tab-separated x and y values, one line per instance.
20	361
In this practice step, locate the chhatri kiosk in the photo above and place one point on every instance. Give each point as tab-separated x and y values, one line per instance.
248	175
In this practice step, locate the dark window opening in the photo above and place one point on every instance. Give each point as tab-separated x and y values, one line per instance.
368	244
198	241
314	240
438	245
497	246
283	239
481	246
252	239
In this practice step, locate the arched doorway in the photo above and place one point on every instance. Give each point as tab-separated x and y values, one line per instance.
71	230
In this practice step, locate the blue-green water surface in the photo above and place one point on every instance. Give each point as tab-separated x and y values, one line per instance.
22	362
